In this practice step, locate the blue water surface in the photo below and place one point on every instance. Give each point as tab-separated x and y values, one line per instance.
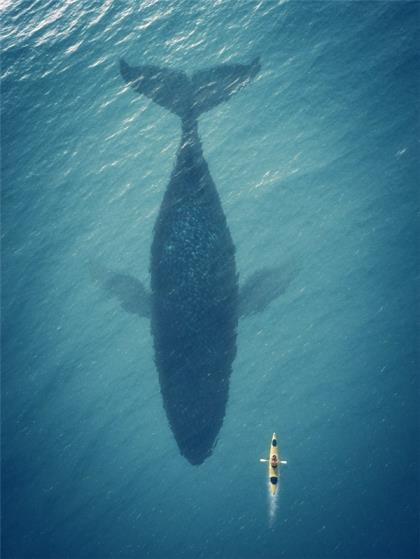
316	164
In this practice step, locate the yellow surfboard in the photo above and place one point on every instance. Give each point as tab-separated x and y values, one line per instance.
273	464
273	469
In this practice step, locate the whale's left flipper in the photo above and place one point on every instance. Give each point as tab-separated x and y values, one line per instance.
128	290
263	287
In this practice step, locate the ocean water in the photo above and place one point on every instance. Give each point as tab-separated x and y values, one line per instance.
317	167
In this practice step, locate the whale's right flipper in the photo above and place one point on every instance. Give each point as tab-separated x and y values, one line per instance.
128	290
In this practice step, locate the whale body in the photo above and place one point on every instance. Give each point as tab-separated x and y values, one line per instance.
194	283
195	302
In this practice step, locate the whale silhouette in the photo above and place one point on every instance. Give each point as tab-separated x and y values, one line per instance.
194	304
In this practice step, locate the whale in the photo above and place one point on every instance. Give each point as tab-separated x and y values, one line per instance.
194	302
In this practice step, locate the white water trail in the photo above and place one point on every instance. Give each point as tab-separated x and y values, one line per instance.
272	506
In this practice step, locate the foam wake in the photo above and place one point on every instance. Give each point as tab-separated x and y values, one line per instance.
272	506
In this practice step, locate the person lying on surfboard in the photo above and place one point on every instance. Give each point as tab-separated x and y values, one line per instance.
274	461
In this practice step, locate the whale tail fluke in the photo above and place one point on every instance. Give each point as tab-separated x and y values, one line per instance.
184	96
168	88
215	85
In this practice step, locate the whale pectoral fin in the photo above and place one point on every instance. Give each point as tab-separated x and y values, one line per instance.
166	87
128	290
215	85
263	287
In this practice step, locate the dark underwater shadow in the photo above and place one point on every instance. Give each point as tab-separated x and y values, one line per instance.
194	302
